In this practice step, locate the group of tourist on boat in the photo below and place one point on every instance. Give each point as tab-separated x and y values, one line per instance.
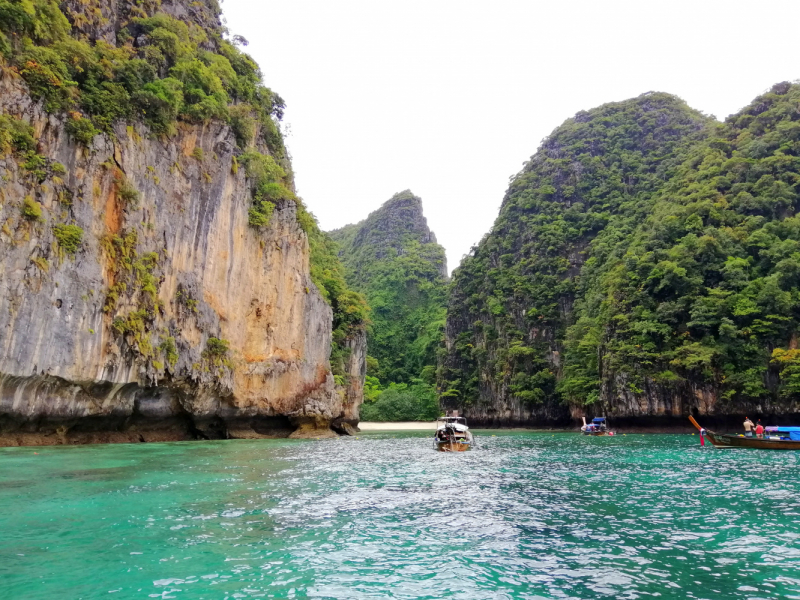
771	432
755	435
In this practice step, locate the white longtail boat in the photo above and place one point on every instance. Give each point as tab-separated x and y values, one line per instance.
452	435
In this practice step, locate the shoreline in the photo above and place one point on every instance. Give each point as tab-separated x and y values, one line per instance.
431	426
137	435
397	426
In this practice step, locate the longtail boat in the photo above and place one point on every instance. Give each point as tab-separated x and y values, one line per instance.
452	435
775	438
598	426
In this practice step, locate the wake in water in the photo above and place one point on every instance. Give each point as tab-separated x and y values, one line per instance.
523	515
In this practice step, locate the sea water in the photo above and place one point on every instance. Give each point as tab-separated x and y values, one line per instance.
523	515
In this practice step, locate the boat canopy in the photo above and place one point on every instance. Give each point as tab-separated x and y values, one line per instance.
794	432
599	420
452	420
457	426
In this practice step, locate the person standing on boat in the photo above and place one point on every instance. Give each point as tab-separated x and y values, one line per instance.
748	427
759	430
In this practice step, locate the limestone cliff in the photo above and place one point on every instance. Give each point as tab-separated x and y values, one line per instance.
513	296
392	257
645	266
352	390
388	233
137	300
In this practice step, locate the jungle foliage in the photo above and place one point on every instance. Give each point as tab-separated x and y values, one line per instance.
160	70
415	401
350	311
512	295
707	289
644	248
394	260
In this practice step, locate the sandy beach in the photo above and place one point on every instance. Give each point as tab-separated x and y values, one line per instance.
398	426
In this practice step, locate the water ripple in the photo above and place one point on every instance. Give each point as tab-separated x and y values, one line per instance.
525	515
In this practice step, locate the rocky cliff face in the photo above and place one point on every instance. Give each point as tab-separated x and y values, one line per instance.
352	392
170	317
385	234
392	258
512	299
95	20
645	265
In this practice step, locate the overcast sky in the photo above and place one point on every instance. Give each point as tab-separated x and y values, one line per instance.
449	97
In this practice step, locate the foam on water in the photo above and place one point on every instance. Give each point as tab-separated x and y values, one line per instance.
524	515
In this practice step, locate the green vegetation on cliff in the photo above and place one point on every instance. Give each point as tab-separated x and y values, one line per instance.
645	256
416	401
705	294
350	311
392	258
512	297
101	64
154	67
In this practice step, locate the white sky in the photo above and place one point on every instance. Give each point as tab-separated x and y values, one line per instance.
449	97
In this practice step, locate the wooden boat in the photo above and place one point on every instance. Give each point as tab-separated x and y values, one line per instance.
452	435
772	440
598	426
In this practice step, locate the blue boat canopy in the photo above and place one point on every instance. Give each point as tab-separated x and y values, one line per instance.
603	420
794	432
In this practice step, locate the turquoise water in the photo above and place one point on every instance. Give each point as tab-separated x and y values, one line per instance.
524	515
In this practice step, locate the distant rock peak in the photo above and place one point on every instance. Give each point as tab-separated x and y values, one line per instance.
397	222
393	259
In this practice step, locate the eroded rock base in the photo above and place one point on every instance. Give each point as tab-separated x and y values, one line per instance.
44	411
309	428
103	431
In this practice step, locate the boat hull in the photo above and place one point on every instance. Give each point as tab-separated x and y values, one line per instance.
452	446
734	441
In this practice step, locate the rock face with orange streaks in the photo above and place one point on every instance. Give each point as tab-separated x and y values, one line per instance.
173	319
